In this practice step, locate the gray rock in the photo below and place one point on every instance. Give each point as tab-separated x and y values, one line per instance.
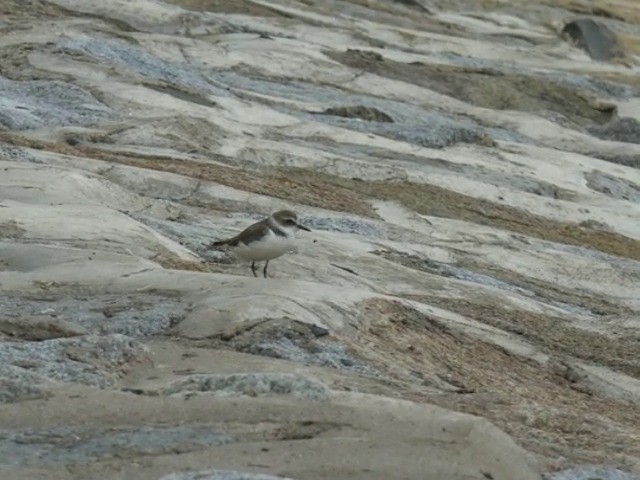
39	327
68	445
467	275
17	154
600	87
437	131
221	475
139	62
360	112
591	473
419	4
594	37
138	315
411	123
16	391
612	186
344	225
296	342
451	270
330	355
595	225
89	360
38	103
194	236
252	384
619	130
11	229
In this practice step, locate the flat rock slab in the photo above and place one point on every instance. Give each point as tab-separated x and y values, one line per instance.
39	327
39	103
475	240
280	436
250	384
620	130
90	360
39	317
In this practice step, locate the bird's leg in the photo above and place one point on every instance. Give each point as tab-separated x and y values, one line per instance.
253	268
265	269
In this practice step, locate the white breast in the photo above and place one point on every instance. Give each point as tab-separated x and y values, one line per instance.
269	247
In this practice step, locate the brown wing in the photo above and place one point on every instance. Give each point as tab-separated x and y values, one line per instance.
244	236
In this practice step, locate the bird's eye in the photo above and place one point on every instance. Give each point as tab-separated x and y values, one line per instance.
290	222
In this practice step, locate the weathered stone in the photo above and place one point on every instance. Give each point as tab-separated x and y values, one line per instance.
465	237
71	445
619	130
136	315
420	4
39	103
221	475
252	384
613	186
91	359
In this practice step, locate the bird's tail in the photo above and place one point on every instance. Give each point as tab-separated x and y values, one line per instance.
218	243
232	242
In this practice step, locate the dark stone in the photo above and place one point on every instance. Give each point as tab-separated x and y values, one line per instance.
347	362
595	38
346	269
420	4
319	331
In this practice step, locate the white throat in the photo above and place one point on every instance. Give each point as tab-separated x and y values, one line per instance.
289	230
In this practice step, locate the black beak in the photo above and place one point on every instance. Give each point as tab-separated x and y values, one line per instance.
302	227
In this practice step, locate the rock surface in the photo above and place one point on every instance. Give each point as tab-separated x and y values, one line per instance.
598	40
466	305
221	475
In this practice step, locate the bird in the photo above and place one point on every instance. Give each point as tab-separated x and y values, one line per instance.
265	240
